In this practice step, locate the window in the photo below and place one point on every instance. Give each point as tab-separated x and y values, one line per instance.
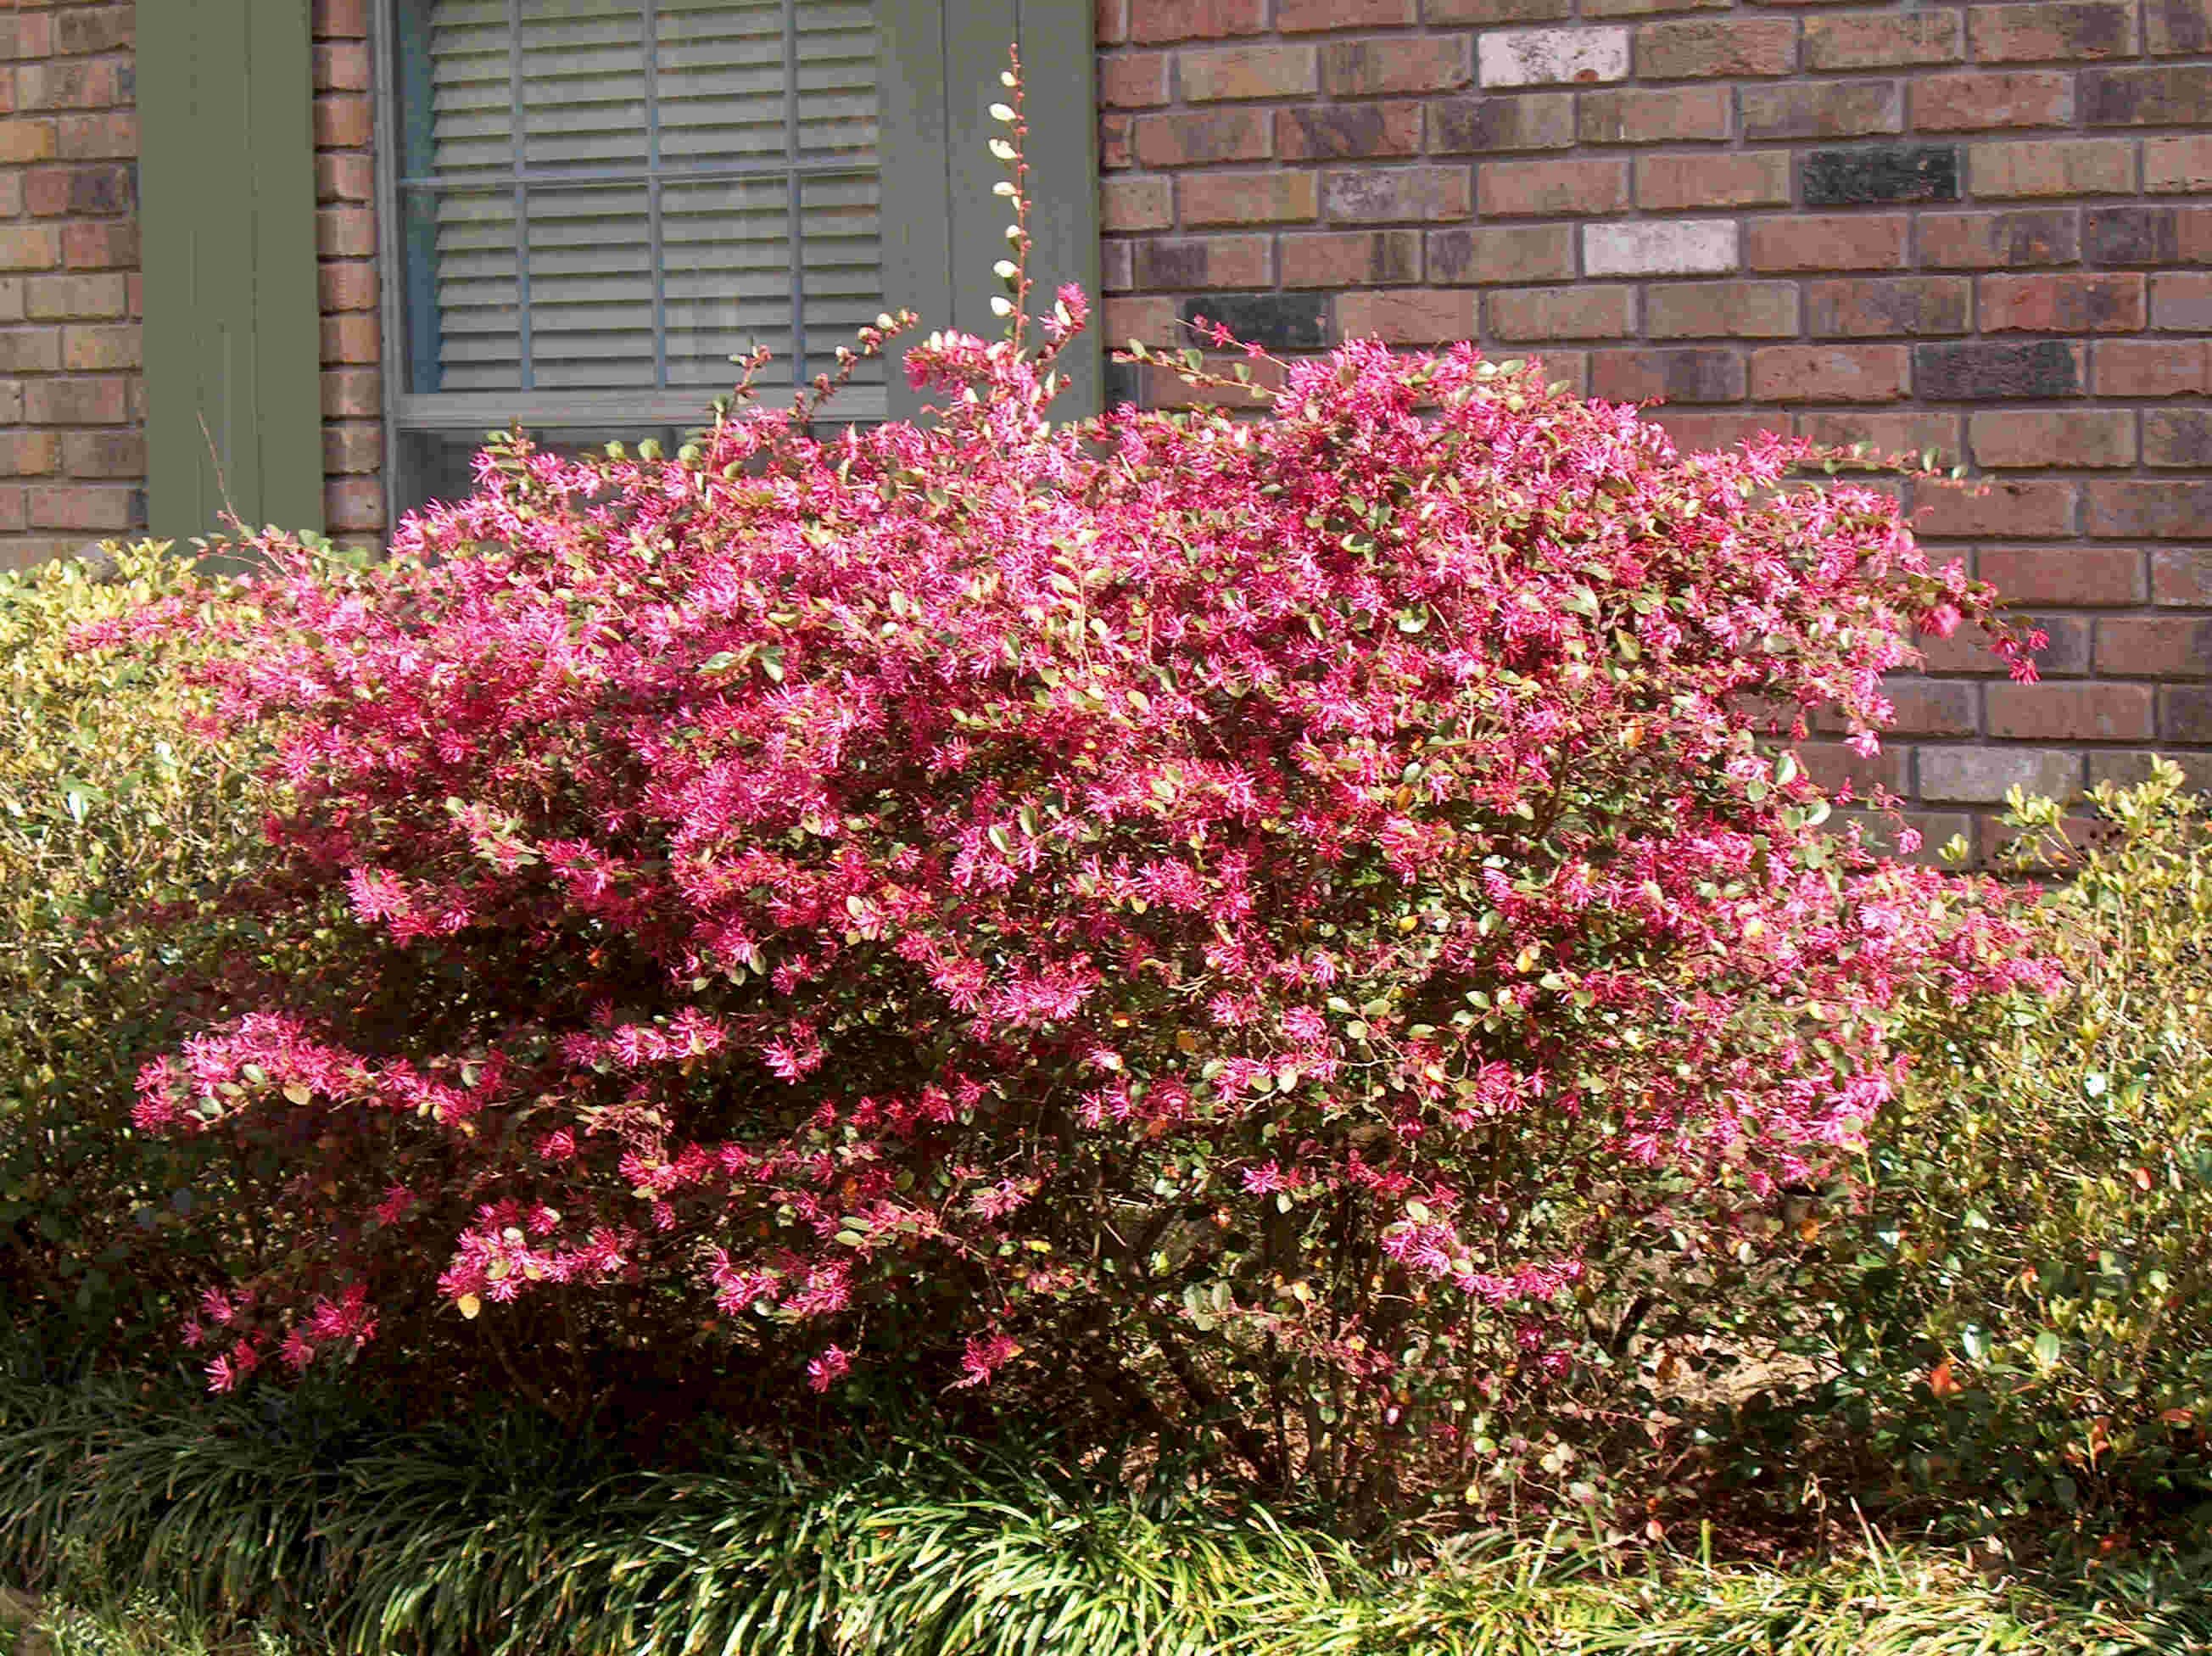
591	205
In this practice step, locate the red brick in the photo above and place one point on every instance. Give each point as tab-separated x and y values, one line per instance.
2032	509
341	66
343	121
1874	307
53	191
2067	30
1135	80
1828	373
1151	321
60	298
105	453
1759	180
26	36
2011	439
2112	302
1822	109
1284	197
1113	140
1510	188
1839	769
1691	374
344	176
1581	312
30	246
1679	114
1201	137
2086	167
87	29
110	137
30	350
1224	73
341	20
349	339
2181	576
1516	252
112	245
89	506
1982	99
352	392
96	349
21	141
1163	386
1700	432
1396	64
1407	316
2049	712
2172	165
1124	204
1999	240
91	85
2178	438
29	453
1878	39
2150	367
2178	509
2182	300
1844	242
2071	577
1213	261
103	401
1110	24
1341	131
1701	47
2162	647
1196	19
1117	265
1496	11
1301	16
352	448
1721	310
1528	120
1886	437
1383	195
1351	259
353	505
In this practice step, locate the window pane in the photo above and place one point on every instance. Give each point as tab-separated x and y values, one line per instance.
463	302
472	87
836	53
590	287
843	271
728	251
657	149
583	82
721	80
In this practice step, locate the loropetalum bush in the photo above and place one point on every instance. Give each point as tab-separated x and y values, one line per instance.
1222	925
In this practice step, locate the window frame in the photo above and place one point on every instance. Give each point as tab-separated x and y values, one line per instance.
937	69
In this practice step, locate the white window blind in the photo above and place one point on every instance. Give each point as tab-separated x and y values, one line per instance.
608	195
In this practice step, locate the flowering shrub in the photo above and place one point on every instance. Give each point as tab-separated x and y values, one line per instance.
2030	1314
1227	924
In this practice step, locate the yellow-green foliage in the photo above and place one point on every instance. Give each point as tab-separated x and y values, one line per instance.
2040	1293
118	831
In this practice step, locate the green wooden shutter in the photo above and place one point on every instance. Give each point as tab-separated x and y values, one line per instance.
233	417
942	228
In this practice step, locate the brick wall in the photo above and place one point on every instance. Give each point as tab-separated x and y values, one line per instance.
72	447
345	242
1984	229
72	404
